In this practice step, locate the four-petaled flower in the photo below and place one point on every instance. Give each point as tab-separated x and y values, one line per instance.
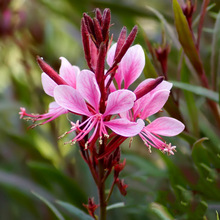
129	70
85	99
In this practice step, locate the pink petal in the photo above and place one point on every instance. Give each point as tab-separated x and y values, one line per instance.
132	64
88	88
124	127
52	106
110	59
151	103
119	101
163	85
68	72
111	54
68	98
48	84
166	126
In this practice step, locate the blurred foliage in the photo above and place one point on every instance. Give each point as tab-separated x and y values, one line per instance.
184	186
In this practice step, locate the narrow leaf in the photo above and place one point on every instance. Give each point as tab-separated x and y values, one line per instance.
161	212
74	210
197	90
50	205
116	205
190	101
166	25
149	70
187	41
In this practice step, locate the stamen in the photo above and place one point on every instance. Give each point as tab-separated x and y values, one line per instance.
61	136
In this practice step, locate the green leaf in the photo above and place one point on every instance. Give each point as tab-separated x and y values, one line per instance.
199	212
51	177
190	101
186	38
116	206
160	211
199	152
217	216
50	205
166	25
146	167
184	195
197	90
149	70
74	210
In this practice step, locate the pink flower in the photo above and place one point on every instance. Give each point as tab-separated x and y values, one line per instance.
148	105
69	74
129	70
85	99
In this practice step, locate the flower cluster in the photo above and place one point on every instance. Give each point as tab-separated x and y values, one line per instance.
125	112
111	112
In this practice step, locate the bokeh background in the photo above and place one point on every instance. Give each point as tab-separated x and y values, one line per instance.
38	173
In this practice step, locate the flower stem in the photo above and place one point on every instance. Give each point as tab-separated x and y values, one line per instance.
101	189
101	186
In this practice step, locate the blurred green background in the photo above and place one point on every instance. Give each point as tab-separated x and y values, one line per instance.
184	186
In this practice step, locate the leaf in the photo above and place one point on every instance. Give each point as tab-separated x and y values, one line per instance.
186	39
146	167
199	152
215	51
149	70
197	90
116	206
166	25
190	101
50	205
199	212
49	176
160	211
21	183
74	210
184	195
217	216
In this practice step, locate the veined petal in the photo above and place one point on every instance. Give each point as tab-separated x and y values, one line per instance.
132	64
110	59
68	72
88	88
68	98
48	84
53	106
166	126
111	54
152	103
119	101
124	127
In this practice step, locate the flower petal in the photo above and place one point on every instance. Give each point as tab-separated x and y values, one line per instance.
166	126
48	84
132	64
110	58
68	98
111	54
119	101
163	85
68	72
124	127
151	103
88	88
